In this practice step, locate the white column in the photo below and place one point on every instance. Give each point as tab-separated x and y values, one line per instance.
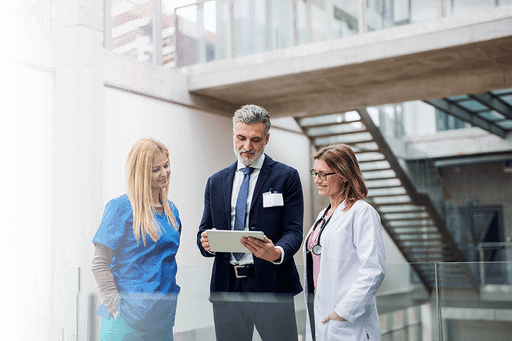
77	161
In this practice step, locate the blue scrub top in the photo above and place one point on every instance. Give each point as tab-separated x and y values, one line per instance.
136	268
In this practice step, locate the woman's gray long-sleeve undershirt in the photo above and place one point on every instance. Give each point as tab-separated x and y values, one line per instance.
104	279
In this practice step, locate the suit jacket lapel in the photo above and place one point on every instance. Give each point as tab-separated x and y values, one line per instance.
265	170
228	189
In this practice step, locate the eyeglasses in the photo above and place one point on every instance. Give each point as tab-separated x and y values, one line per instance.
322	176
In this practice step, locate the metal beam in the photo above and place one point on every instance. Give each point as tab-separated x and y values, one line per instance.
466	115
494	103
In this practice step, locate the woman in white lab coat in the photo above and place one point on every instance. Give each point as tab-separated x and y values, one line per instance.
344	253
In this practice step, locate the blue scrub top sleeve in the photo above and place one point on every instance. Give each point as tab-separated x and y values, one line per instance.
112	227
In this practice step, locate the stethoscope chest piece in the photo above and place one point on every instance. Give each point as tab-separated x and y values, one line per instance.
317	249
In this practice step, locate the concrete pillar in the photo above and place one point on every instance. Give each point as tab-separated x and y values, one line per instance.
77	161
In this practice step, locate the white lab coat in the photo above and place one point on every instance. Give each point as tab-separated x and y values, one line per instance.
351	271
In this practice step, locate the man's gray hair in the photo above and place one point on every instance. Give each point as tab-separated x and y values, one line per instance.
251	114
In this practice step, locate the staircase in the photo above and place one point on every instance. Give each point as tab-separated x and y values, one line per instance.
409	217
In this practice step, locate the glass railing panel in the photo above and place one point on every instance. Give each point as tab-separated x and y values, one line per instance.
302	22
457	7
345	18
470	309
131	29
407	310
47	305
260	26
384	14
63	304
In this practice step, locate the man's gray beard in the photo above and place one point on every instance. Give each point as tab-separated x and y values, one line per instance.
247	163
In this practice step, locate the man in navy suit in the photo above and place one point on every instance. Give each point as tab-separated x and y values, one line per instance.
255	193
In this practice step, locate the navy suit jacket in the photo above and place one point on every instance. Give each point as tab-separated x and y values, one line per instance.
282	225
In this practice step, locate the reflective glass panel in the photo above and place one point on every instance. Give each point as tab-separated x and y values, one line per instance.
502	91
491	115
507	98
456	98
472	105
505	124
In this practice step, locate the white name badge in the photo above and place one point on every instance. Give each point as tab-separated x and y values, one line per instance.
272	199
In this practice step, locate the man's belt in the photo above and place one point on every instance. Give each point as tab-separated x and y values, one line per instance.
242	271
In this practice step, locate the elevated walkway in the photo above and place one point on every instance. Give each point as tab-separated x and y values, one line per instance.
464	54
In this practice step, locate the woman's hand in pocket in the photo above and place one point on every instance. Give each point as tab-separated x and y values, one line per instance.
333	316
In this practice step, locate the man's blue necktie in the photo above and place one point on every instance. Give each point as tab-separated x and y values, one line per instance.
241	206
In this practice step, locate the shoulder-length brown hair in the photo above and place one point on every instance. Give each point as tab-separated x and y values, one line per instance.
139	165
341	159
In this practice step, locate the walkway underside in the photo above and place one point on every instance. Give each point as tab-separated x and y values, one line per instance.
452	56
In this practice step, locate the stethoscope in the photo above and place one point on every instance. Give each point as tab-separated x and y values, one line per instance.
317	249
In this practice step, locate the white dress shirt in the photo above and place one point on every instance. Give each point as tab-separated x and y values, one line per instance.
237	182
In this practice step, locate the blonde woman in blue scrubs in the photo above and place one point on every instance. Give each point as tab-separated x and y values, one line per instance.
135	257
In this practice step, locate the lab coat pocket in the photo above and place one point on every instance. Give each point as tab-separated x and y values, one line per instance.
340	330
339	247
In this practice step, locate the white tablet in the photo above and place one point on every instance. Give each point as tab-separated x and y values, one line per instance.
229	241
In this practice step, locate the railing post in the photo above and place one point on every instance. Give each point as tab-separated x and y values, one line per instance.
438	302
230	39
292	17
442	7
157	32
109	25
200	34
362	16
77	306
481	265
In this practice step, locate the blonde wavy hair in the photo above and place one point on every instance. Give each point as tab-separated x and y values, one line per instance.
343	161
139	167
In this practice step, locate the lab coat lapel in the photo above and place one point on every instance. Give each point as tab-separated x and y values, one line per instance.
338	213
